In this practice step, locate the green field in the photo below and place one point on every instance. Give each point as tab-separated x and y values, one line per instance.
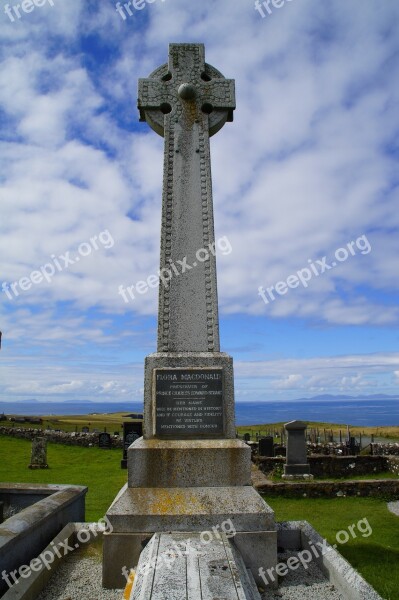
112	422
98	469
376	557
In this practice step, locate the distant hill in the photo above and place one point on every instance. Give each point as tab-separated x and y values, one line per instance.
332	397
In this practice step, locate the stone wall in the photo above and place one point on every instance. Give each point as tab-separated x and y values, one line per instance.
393	464
386	449
335	466
60	437
342	449
385	488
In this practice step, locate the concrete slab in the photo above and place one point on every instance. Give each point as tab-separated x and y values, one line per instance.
173	565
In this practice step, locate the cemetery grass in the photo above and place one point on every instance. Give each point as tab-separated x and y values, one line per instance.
375	557
97	469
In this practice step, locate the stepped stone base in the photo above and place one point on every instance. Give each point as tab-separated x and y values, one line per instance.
297	469
137	513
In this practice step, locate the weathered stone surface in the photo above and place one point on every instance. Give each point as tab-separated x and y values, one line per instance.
186	101
258	550
24	535
203	569
188	463
189	509
38	458
121	552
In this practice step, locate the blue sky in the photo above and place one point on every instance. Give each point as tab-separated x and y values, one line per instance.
309	166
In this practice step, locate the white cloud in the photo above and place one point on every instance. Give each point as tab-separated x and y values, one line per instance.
308	164
289	382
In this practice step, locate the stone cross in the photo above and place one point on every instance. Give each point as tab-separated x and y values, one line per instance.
188	471
186	101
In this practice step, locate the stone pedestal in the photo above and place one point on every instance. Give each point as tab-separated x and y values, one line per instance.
187	486
186	463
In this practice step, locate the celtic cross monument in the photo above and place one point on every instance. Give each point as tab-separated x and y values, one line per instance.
187	101
188	472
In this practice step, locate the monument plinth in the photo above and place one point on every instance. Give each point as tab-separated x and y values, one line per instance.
188	472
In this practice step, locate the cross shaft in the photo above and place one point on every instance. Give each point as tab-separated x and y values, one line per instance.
186	101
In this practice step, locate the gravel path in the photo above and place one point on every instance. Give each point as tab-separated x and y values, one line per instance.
394	507
303	584
78	578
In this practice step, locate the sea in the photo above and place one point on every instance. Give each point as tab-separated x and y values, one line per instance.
367	413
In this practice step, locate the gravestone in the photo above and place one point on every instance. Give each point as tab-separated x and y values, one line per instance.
353	446
188	471
131	433
297	466
39	453
104	441
247	437
266	446
85	430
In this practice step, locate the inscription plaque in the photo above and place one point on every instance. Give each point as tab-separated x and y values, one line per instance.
188	402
